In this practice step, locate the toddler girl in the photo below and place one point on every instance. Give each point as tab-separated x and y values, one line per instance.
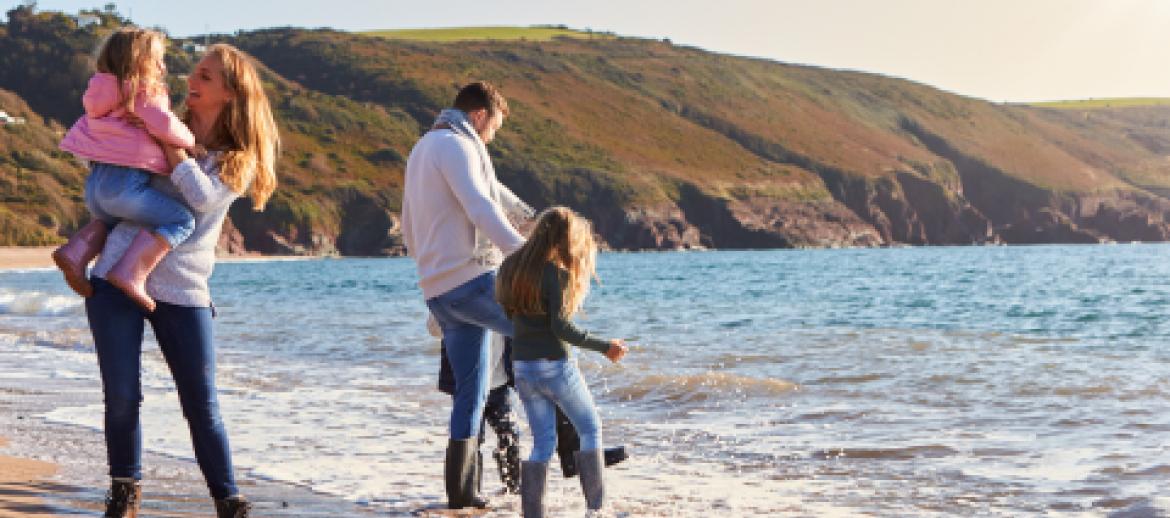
127	119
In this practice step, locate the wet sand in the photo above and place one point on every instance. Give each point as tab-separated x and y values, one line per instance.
22	482
20	258
49	469
34	257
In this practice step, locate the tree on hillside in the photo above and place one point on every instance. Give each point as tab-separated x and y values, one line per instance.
47	55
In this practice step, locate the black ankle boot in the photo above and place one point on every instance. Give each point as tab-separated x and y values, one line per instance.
233	507
123	499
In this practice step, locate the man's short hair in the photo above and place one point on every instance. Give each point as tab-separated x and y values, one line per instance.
481	95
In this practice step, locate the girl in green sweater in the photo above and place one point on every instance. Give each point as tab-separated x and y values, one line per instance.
541	286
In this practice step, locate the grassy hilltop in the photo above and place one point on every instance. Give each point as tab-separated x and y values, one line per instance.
492	33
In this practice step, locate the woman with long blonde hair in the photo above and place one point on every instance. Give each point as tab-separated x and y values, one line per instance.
541	286
230	117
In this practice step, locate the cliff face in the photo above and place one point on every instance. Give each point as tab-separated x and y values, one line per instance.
662	147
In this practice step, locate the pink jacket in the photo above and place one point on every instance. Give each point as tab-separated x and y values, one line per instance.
102	136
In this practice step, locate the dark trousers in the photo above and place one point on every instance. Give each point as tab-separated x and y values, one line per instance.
185	337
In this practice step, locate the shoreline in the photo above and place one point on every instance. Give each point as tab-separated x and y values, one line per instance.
26	257
34	258
50	469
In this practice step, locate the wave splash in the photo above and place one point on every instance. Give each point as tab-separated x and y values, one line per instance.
37	303
696	388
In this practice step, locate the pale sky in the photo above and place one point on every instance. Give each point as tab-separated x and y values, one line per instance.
1000	50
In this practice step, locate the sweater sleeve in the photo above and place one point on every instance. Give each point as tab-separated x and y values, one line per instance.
460	166
101	95
562	327
201	190
514	207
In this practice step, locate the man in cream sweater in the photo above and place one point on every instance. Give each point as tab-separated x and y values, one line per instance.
456	229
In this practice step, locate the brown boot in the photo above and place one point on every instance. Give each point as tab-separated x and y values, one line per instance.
233	507
129	275
123	499
73	257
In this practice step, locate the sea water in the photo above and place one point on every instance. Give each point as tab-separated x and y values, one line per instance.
964	381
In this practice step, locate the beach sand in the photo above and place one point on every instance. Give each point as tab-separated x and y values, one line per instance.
32	257
22	482
19	257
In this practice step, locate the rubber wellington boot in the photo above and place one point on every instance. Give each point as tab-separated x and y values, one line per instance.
129	275
533	478
460	474
73	257
592	467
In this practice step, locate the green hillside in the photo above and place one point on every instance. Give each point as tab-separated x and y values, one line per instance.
40	187
668	147
1123	102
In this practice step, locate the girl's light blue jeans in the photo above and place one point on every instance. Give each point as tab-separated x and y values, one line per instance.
114	193
546	384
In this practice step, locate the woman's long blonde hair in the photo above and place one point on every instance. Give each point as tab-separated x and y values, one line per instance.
245	129
562	237
126	54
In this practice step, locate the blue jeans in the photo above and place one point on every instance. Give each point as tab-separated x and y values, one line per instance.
185	337
545	385
114	193
466	314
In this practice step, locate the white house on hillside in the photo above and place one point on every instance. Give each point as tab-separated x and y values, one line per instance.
86	19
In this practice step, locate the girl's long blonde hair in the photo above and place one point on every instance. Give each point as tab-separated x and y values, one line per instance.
245	129
562	237
126	54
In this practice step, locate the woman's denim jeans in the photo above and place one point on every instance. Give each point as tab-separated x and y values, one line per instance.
185	338
114	193
466	314
546	384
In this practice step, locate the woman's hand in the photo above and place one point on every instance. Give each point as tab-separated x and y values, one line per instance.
198	152
617	350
